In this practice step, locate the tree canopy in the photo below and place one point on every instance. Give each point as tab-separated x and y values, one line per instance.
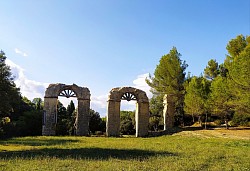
9	93
238	66
196	96
212	69
169	74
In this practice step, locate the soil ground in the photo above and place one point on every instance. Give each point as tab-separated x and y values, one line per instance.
233	132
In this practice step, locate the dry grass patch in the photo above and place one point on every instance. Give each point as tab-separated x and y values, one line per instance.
232	133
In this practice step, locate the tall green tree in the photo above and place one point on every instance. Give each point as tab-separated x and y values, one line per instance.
38	102
212	69
220	98
169	77
237	64
196	96
70	118
9	94
156	113
65	119
61	126
95	122
71	108
127	125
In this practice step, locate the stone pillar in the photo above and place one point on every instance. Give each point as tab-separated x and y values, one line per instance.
168	111
142	119
82	122
113	118
50	114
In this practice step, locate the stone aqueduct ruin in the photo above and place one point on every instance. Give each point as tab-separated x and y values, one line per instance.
141	113
113	109
50	107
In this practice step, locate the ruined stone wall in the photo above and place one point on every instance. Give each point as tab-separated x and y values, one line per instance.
113	118
168	111
142	119
50	107
82	118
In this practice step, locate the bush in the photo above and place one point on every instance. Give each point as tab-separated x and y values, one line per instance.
240	119
218	122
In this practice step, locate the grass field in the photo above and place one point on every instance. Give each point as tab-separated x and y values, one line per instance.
186	150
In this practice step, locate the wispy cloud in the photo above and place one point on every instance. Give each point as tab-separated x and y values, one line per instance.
29	88
18	51
141	84
99	101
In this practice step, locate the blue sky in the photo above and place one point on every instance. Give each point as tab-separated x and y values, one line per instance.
105	44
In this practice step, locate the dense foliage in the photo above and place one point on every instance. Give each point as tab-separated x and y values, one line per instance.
96	123
221	94
127	126
9	94
197	91
169	78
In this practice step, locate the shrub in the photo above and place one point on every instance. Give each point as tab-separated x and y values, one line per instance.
217	122
240	119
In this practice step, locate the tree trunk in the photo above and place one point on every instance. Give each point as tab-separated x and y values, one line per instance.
193	117
199	120
206	122
226	123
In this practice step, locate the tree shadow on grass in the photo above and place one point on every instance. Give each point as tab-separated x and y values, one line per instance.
174	130
37	142
84	153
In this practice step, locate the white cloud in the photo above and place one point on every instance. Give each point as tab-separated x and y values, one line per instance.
18	51
128	106
99	101
141	84
66	101
29	88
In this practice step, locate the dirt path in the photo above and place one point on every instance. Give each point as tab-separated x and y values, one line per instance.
233	133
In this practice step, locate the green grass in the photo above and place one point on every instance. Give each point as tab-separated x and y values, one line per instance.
100	153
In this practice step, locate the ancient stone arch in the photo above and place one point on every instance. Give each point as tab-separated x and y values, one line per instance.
50	107
141	114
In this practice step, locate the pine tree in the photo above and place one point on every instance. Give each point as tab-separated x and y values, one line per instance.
212	69
238	66
9	94
169	77
220	98
196	96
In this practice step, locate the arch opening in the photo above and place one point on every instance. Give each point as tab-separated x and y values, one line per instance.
127	117
66	116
